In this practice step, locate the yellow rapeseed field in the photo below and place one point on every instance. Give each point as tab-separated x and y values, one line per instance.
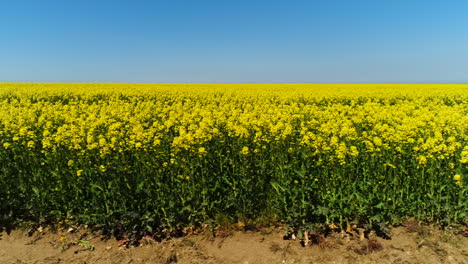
184	153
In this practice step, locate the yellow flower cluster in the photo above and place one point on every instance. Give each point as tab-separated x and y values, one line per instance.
336	123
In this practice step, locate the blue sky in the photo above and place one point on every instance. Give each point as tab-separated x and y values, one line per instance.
214	41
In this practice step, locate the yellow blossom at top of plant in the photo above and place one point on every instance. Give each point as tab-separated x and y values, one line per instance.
337	123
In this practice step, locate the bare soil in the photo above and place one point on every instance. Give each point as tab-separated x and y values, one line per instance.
406	245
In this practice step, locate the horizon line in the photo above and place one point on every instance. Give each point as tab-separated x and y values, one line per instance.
215	83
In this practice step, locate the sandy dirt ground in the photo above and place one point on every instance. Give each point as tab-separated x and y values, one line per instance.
423	245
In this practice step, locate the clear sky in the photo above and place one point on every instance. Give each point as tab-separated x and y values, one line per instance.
237	41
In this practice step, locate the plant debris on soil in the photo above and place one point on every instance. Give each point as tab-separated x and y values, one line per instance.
410	243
